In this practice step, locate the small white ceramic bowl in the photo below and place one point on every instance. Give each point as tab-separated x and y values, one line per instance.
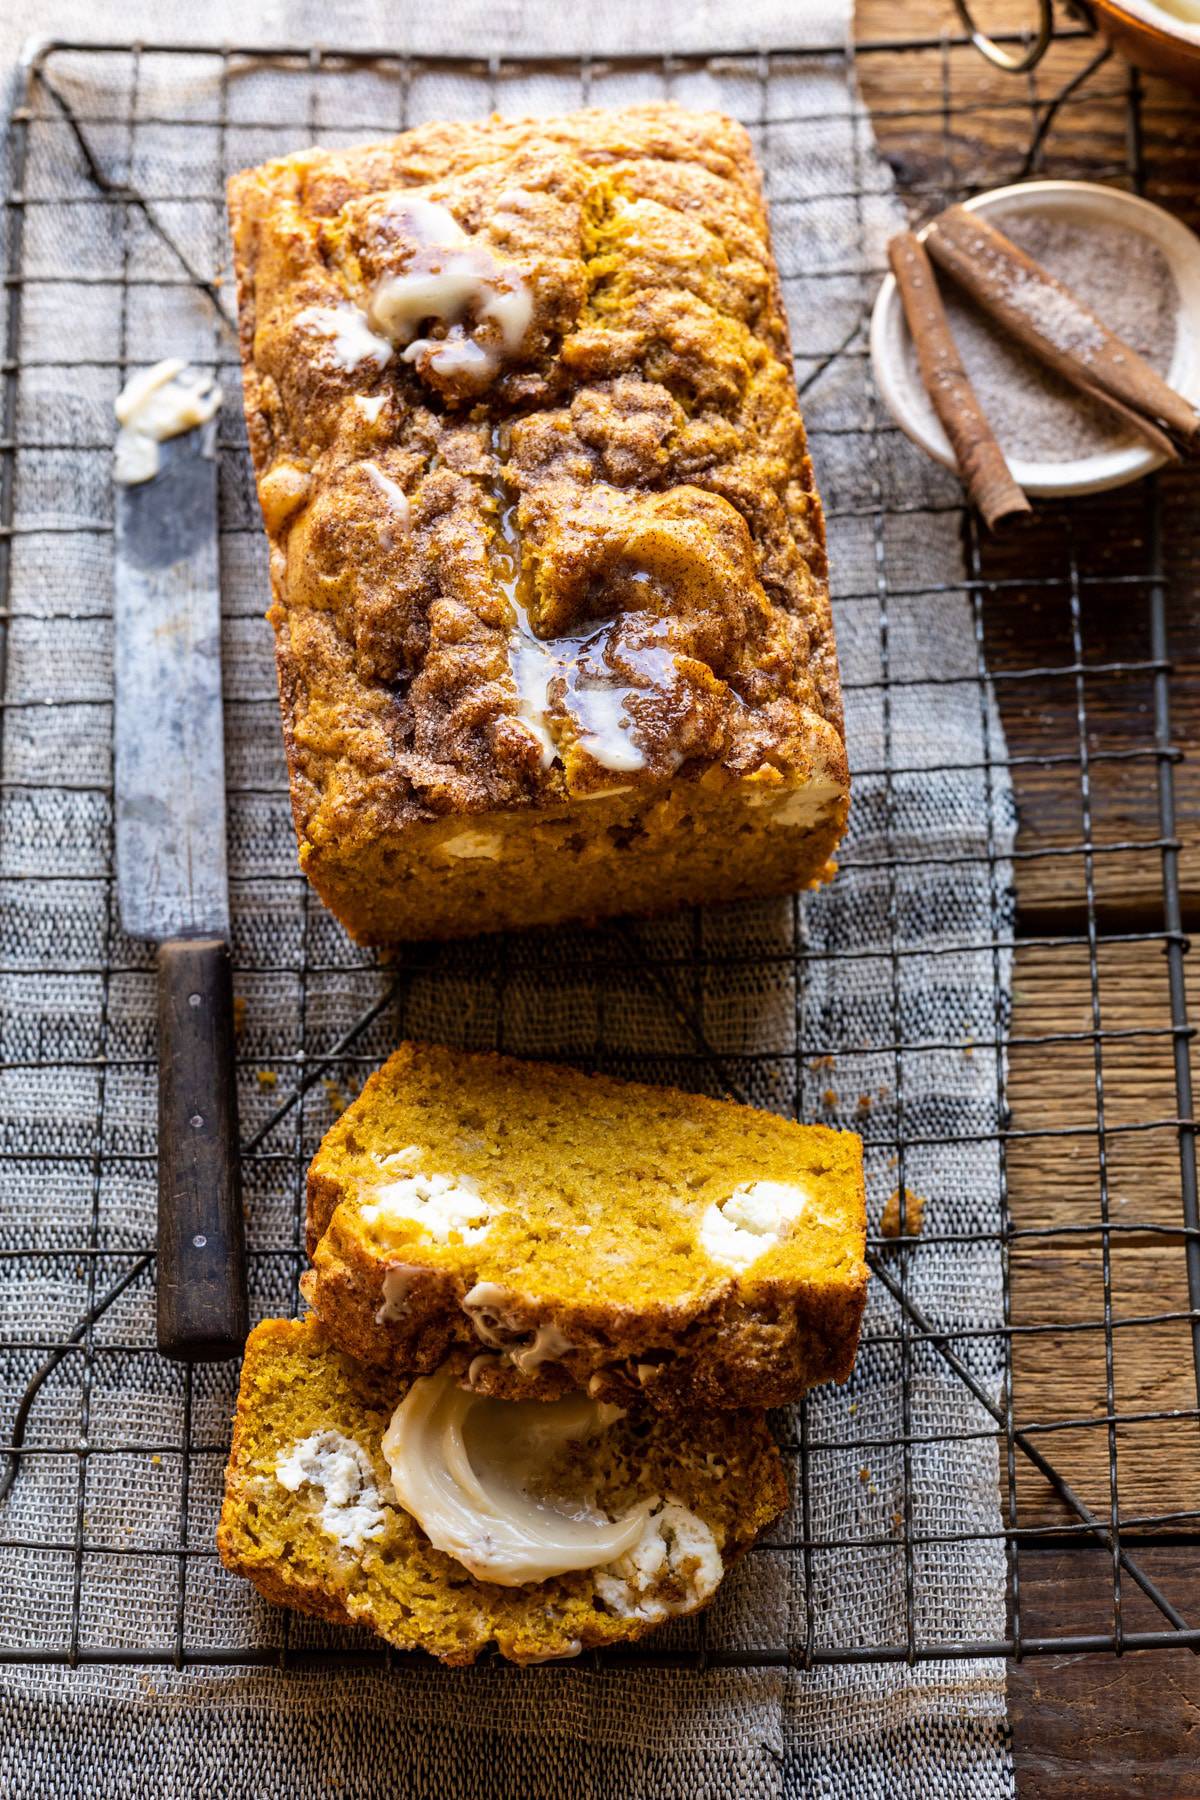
1152	37
904	394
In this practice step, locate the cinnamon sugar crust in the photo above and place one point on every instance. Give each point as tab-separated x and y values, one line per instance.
559	559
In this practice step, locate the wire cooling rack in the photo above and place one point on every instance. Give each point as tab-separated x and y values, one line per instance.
78	135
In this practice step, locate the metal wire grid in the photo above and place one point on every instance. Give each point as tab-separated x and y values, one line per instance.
618	953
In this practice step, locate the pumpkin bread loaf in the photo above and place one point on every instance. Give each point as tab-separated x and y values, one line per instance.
547	560
556	1231
313	1518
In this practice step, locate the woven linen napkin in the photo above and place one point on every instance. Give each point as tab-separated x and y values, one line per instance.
790	1005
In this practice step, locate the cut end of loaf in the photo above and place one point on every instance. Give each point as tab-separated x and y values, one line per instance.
622	852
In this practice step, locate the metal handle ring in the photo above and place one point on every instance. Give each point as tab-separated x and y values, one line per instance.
1012	64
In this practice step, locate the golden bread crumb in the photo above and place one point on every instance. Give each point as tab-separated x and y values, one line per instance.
890	1223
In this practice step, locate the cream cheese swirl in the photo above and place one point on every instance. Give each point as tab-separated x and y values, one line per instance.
475	1474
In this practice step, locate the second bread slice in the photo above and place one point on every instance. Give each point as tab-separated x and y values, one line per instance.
312	1518
560	1230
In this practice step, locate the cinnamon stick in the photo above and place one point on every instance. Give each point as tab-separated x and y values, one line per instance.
979	457
1044	315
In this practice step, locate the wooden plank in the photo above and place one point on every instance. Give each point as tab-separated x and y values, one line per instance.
1059	1377
1054	1181
1095	555
1090	1727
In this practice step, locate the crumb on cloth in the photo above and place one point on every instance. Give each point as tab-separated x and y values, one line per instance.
914	1214
337	1097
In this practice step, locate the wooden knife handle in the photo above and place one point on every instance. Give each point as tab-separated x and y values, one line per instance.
201	1237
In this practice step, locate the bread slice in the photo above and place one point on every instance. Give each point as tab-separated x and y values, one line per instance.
567	1231
352	1554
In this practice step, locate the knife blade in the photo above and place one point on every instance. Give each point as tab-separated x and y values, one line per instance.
172	878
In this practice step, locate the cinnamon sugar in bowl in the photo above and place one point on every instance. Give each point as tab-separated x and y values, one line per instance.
1133	264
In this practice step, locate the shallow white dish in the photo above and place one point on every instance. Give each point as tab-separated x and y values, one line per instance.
904	394
1172	24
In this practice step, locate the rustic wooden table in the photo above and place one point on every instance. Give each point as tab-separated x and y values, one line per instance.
1083	1726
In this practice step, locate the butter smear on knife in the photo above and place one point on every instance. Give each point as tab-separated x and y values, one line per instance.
155	404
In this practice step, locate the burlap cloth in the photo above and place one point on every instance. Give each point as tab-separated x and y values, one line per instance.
772	990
